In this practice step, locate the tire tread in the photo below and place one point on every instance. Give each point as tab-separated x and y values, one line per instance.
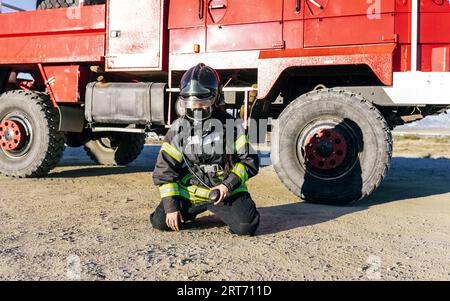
367	107
55	149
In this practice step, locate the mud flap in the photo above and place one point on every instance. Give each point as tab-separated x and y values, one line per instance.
71	119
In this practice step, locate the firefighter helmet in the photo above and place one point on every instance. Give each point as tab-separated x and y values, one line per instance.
201	91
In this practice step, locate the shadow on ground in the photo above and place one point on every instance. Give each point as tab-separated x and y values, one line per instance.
83	166
409	178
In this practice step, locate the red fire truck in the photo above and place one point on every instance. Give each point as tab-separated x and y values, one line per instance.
336	75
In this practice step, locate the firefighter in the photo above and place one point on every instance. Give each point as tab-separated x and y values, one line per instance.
198	168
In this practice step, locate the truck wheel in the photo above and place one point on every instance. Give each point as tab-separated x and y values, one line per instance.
30	143
116	149
332	147
48	4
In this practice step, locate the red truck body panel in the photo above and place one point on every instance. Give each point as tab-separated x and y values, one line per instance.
244	25
53	36
269	35
273	63
342	22
434	34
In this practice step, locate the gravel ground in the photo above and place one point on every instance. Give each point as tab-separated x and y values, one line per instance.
91	223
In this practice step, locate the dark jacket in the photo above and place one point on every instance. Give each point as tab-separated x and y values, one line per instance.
174	179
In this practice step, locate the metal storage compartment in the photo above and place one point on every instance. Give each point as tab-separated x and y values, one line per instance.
126	103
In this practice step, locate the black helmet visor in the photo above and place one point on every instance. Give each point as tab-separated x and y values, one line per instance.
198	109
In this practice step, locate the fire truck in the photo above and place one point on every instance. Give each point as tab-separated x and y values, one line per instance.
334	76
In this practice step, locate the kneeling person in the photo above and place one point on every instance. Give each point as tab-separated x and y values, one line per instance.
196	159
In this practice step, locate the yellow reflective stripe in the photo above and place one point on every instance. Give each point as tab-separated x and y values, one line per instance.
172	151
169	186
194	193
192	197
241	172
221	175
199	196
190	194
241	142
199	192
200	202
186	194
169	190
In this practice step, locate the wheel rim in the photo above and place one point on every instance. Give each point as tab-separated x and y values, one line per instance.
327	148
15	136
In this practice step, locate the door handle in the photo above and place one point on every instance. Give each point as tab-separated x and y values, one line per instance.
217	6
298	6
114	34
314	2
200	9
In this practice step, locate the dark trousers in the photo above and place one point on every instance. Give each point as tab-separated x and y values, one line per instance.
238	212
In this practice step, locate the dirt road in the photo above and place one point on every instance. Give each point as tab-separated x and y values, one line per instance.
91	223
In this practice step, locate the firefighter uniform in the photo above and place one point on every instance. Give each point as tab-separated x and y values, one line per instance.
182	191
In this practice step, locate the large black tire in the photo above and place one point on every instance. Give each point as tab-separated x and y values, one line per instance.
116	149
48	4
43	145
308	162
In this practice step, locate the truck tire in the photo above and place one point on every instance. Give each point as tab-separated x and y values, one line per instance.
117	149
30	143
48	4
331	147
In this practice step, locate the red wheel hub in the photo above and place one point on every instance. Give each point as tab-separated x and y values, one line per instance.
12	135
326	149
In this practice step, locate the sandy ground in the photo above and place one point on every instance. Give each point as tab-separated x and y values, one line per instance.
91	223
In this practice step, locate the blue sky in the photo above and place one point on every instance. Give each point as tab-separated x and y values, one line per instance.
25	4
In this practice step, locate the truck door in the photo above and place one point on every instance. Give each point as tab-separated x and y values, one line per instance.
344	22
244	25
434	48
187	26
293	23
135	35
